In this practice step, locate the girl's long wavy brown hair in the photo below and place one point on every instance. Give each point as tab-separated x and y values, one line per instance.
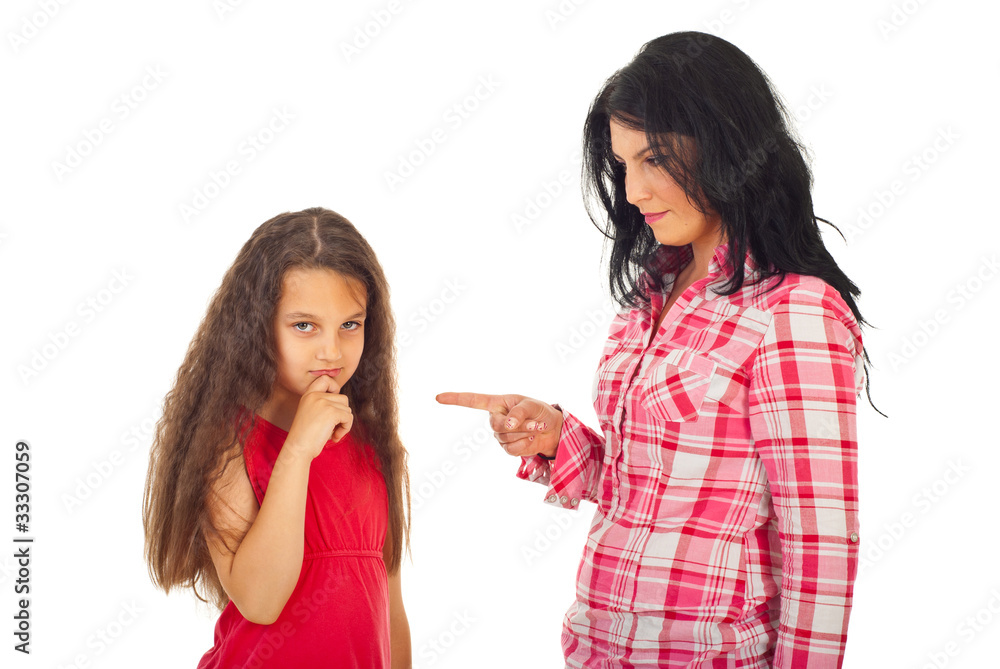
231	364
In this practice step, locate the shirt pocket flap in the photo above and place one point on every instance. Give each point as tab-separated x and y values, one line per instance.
676	386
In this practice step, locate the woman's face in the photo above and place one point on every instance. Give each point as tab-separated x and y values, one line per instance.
674	219
319	330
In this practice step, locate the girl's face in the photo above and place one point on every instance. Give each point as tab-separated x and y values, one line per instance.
319	330
674	219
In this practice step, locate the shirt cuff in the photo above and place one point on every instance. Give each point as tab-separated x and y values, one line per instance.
564	488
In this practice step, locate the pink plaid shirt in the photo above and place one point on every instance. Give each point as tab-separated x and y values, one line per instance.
725	478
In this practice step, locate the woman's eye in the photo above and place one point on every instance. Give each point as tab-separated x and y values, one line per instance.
308	325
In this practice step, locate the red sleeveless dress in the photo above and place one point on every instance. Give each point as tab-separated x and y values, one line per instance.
338	614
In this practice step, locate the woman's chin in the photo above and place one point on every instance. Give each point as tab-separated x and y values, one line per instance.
668	239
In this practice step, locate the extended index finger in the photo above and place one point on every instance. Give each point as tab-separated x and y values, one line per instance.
489	403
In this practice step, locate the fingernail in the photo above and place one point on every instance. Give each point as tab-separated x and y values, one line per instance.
510	423
541	426
531	438
530	425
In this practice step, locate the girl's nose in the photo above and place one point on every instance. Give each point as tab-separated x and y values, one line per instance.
329	349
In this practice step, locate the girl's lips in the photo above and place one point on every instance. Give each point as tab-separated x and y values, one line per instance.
326	372
652	218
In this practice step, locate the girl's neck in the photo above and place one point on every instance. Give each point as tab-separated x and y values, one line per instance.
278	413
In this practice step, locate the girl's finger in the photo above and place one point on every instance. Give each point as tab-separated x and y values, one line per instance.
341	430
324	384
340	400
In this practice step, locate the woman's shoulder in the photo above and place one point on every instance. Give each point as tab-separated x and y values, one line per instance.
801	293
802	307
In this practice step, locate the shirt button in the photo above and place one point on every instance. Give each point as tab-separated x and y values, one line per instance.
854	537
564	499
574	501
552	498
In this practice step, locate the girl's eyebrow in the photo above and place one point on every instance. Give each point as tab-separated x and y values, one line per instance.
305	316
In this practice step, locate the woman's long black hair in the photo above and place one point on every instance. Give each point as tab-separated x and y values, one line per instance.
749	166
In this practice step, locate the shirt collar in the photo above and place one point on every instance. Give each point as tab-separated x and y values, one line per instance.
671	259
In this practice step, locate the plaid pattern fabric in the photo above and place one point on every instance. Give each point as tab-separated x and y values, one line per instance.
725	478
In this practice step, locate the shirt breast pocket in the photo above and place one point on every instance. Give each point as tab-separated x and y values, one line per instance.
686	381
676	387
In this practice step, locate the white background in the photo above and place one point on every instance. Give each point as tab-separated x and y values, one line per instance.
506	308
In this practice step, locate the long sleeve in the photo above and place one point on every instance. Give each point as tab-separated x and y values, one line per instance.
802	403
575	472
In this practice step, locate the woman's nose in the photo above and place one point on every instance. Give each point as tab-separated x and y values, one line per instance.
635	190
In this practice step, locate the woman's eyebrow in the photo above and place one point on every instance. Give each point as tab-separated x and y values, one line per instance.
643	151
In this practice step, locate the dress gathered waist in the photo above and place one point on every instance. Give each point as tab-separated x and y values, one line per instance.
361	552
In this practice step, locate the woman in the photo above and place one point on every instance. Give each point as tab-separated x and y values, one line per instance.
725	468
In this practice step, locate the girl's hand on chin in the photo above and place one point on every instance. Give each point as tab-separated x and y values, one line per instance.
323	414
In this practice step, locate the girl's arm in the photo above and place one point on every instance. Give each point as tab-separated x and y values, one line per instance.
260	571
399	626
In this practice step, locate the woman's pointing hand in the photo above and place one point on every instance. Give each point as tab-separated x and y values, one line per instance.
522	425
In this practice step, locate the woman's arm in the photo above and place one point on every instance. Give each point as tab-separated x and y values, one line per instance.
574	474
802	415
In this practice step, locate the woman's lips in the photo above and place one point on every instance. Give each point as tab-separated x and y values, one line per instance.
326	372
652	218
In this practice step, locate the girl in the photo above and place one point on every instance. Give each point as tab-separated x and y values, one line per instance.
277	485
724	469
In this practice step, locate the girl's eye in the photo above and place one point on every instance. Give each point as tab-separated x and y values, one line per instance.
296	326
356	324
